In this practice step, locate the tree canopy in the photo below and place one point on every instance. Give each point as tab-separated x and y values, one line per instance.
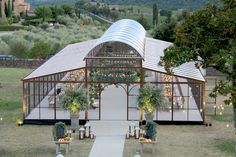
208	37
167	4
144	22
43	12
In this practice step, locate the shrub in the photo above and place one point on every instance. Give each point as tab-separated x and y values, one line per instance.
4	22
143	21
151	130
44	26
10	20
43	12
59	130
34	22
65	20
4	48
30	28
57	26
58	37
19	47
16	17
165	31
10	28
86	20
39	50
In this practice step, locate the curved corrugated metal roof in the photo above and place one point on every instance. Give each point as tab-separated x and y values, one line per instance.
125	31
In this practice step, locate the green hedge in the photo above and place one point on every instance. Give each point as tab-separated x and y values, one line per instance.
10	28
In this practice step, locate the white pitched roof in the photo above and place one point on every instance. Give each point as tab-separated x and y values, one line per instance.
69	58
155	48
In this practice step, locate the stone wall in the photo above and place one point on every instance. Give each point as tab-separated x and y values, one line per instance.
210	71
21	63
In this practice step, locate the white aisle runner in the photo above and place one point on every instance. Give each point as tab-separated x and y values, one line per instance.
110	138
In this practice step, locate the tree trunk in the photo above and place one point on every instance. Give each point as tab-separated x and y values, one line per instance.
234	109
233	95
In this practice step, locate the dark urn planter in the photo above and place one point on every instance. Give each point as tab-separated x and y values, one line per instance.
74	121
149	117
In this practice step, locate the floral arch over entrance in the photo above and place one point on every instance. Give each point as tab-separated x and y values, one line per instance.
122	56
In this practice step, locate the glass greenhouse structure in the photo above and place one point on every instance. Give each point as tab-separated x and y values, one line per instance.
111	70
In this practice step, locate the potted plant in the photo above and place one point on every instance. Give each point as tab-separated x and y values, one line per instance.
149	99
59	130
75	101
150	128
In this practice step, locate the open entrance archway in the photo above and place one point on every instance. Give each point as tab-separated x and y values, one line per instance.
113	98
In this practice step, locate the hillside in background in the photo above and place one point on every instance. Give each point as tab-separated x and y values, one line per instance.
170	4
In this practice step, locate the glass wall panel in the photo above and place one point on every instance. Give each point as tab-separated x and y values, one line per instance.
133	109
165	112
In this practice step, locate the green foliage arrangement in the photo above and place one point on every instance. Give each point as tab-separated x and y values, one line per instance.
94	90
150	98
74	100
59	130
117	75
150	128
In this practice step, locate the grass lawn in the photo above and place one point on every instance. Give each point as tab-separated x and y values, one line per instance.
192	140
37	141
27	140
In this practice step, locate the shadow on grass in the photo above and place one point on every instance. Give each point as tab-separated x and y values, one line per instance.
9	105
226	117
6	153
42	151
226	146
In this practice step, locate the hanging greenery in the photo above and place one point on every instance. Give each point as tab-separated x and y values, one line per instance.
94	90
113	75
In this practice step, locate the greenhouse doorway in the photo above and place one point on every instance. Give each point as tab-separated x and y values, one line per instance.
113	103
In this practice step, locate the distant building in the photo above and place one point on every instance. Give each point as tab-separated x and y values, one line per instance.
20	7
114	7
